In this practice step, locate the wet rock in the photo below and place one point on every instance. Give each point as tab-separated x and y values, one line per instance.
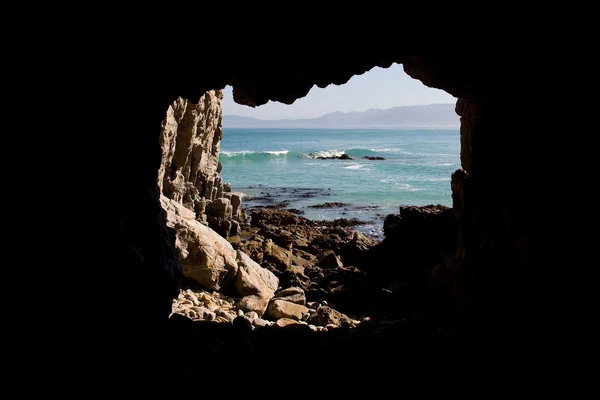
341	157
328	205
373	158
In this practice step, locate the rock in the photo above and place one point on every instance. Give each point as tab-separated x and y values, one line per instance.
235	241
327	316
208	301
342	157
188	294
328	259
236	202
189	173
207	259
293	295
373	158
228	315
313	328
242	324
284	309
256	303
282	322
281	257
305	255
329	204
355	252
205	313
220	208
235	228
189	140
251	315
254	279
260	323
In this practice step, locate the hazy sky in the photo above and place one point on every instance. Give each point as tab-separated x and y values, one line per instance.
377	88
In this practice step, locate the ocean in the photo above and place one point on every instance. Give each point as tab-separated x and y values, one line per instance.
274	165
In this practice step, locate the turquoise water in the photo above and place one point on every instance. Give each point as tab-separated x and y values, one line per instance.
273	165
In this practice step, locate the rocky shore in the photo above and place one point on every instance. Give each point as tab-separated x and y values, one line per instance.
323	275
263	278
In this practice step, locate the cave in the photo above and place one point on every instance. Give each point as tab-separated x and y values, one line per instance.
490	192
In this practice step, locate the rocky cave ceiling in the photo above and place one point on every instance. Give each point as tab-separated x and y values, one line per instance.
282	78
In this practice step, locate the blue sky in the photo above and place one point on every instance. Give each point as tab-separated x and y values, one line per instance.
377	88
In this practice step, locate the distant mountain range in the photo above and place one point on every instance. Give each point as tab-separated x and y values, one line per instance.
422	116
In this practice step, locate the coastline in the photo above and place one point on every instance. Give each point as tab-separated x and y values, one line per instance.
319	205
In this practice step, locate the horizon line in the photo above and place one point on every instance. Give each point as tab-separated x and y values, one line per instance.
338	111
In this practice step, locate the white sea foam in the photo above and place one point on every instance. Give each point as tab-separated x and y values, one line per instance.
244	152
355	166
235	153
392	150
326	153
405	187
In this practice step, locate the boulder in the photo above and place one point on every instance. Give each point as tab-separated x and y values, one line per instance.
206	258
254	279
285	309
328	259
255	302
327	316
283	322
293	295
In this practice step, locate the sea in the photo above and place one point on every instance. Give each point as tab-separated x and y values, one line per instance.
271	166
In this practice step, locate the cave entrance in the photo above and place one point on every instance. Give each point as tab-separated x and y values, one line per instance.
322	187
358	150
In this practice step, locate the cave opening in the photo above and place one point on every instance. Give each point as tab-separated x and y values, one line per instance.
299	226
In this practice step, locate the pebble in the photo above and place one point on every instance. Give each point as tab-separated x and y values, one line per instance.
251	315
203	306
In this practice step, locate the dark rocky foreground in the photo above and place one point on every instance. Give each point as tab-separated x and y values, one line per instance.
385	290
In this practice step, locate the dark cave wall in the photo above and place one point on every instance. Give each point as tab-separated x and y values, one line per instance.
489	273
